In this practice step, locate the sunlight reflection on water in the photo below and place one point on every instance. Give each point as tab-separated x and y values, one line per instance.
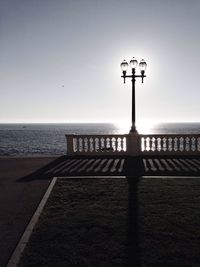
160	128
142	128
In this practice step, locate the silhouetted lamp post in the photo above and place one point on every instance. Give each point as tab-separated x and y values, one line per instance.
133	64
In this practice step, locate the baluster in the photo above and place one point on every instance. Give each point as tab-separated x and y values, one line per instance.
165	144
157	144
196	144
153	145
113	143
119	145
175	144
193	144
161	143
147	144
184	144
91	144
169	144
116	145
96	144
178	144
188	144
102	144
111	147
150	144
108	145
142	144
181	144
80	144
85	144
77	142
74	145
124	144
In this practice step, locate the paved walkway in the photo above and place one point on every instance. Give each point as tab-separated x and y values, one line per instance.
18	199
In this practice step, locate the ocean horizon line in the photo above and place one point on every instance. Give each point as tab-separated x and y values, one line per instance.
101	122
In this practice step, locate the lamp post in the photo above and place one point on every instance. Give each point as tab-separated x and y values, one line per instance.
133	64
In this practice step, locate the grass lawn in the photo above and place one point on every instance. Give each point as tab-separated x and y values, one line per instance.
118	222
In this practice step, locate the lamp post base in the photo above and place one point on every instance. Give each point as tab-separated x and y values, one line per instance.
133	130
133	143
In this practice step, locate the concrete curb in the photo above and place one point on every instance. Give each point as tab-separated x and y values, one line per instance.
14	259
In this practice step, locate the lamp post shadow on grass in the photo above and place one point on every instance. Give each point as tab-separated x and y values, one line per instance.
132	221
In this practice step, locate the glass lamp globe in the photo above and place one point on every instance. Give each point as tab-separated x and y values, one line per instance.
143	65
124	65
133	63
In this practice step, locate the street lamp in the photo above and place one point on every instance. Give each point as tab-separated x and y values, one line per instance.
133	64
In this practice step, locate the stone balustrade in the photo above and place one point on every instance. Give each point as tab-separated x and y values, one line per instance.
133	144
170	144
96	144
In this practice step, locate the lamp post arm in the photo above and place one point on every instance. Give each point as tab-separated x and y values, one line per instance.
136	76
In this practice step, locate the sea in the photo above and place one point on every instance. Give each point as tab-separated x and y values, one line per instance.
49	139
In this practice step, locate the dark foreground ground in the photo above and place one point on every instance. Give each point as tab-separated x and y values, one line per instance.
23	182
118	222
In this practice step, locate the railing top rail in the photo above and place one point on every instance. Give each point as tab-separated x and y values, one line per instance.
169	135
114	134
97	135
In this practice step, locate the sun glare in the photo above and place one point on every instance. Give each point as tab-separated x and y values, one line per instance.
144	127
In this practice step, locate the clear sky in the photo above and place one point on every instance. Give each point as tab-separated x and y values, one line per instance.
60	60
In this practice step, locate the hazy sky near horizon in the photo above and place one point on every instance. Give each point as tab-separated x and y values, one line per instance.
60	60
